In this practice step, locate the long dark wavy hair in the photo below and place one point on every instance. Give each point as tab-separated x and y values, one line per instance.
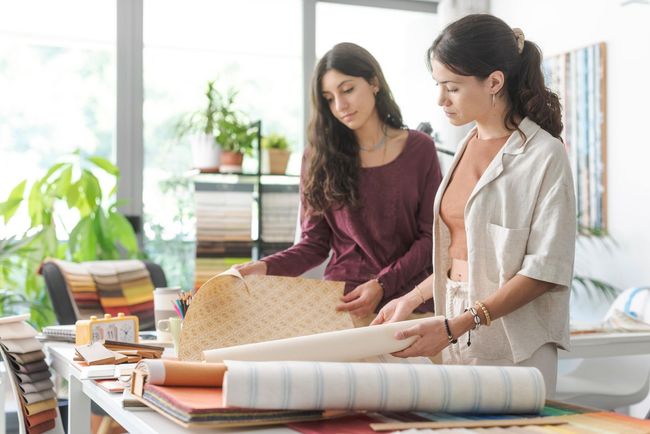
333	155
477	45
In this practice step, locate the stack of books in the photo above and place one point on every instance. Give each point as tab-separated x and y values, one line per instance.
224	215
280	205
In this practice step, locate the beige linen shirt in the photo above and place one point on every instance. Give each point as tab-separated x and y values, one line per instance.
519	219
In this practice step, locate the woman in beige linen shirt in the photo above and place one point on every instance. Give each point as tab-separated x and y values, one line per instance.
504	215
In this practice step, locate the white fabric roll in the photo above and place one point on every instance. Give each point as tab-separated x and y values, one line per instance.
155	368
338	346
383	387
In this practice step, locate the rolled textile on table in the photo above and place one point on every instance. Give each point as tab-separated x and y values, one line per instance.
383	387
337	346
177	373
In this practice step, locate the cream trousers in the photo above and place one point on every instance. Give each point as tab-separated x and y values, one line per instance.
544	359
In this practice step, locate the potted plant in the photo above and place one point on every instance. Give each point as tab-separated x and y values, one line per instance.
99	230
276	147
235	136
200	127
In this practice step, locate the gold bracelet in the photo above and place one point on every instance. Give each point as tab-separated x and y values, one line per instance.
486	312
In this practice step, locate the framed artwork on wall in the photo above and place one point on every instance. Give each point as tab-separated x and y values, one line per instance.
579	79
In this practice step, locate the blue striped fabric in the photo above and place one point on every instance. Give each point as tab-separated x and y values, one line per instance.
383	387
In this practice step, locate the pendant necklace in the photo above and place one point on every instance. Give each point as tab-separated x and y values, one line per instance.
379	144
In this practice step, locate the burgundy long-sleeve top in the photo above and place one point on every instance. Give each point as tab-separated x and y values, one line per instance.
388	237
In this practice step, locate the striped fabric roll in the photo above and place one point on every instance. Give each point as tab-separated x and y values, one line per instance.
384	387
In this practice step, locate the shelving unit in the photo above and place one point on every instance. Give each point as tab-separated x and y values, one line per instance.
242	216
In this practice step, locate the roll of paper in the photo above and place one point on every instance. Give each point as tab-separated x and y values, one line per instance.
337	346
383	387
176	373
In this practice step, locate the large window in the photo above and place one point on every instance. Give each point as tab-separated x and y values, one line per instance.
57	84
397	39
252	46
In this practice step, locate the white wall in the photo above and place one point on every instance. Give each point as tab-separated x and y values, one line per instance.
559	26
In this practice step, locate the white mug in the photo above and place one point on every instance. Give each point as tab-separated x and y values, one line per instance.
163	304
171	325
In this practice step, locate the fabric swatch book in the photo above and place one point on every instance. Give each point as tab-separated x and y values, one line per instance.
189	393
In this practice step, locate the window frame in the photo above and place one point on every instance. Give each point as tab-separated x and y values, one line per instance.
130	84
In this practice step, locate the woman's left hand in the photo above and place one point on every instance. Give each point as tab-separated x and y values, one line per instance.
431	338
362	300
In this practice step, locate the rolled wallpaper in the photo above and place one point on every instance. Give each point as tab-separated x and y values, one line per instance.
337	346
176	373
383	387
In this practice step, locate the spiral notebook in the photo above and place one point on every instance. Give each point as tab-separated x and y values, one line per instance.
64	333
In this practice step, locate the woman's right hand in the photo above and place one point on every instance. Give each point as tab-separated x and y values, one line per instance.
395	310
253	267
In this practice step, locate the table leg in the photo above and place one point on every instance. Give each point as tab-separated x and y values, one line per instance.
78	407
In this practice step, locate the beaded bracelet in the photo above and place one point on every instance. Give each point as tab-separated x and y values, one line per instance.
450	338
475	317
477	324
486	312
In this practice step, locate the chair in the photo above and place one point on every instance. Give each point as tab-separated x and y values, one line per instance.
608	382
611	382
66	313
61	301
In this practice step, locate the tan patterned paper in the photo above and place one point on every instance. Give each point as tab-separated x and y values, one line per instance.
228	310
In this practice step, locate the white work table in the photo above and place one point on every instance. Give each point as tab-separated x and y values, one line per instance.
589	345
141	420
146	421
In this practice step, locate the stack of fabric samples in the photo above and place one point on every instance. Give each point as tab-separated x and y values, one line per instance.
25	361
120	286
190	394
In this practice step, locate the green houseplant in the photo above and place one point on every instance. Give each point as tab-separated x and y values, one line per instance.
276	147
11	248
200	128
93	230
235	134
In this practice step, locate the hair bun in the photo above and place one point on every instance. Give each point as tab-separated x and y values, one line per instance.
521	38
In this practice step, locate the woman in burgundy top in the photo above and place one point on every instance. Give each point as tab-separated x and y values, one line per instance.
367	188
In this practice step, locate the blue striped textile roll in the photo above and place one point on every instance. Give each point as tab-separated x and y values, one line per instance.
383	387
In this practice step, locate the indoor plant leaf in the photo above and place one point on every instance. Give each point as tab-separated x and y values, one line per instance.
53	169
9	208
91	188
63	182
35	204
123	231
105	165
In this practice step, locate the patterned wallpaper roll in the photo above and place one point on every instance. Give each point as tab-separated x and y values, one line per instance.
383	386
